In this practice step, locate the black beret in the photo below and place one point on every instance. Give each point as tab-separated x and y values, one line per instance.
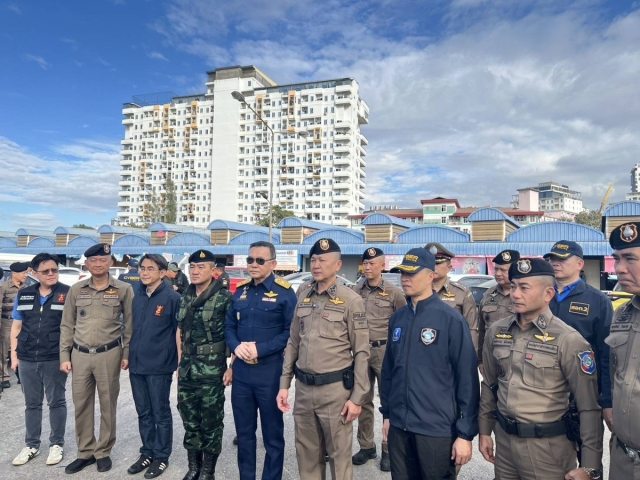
438	251
98	250
200	256
324	245
19	267
506	257
220	264
370	253
625	236
530	267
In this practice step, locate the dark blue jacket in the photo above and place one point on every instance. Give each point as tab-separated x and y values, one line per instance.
590	312
153	349
430	383
262	314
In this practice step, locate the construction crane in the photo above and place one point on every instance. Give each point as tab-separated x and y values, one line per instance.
606	197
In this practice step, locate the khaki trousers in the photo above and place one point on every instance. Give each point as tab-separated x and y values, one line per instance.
319	426
366	420
5	346
533	458
621	466
101	371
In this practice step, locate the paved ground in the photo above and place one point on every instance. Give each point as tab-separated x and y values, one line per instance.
126	448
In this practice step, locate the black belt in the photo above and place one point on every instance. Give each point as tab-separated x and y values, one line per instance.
102	349
208	348
377	343
530	430
630	452
317	379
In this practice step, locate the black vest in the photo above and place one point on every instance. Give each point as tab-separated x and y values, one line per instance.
39	339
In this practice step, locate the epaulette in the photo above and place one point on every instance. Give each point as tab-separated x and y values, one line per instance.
283	283
246	282
461	286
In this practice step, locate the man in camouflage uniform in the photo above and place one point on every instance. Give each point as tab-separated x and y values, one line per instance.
202	353
454	294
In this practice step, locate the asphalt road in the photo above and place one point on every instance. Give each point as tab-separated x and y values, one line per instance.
126	449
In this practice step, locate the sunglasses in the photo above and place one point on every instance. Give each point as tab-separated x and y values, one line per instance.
259	261
49	271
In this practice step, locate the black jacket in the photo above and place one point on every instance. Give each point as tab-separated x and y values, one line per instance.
153	349
590	312
430	383
39	339
181	281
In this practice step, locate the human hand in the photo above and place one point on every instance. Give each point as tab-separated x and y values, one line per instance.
65	367
486	448
351	410
461	451
124	365
283	400
227	378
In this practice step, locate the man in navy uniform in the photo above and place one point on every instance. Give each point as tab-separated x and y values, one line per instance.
586	309
430	390
131	276
257	331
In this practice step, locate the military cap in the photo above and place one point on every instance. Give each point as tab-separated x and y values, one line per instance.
438	251
324	245
415	260
19	267
200	256
173	266
565	249
625	236
530	267
506	257
370	253
98	250
220	264
133	263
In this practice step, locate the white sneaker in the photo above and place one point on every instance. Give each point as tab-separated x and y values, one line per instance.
25	455
55	455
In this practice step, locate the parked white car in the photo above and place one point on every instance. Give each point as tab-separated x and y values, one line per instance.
69	275
297	279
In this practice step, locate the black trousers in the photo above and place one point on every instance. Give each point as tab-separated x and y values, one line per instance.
415	456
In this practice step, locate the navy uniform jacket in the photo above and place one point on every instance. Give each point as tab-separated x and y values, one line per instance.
132	277
262	314
430	383
590	312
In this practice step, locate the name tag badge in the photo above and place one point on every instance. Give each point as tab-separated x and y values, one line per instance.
24	307
57	307
579	308
110	297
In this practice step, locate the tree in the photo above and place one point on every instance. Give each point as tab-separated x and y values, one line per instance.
278	214
591	218
153	209
171	201
82	225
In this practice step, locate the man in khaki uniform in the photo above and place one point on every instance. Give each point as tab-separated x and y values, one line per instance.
381	299
453	294
328	351
8	292
533	362
94	347
496	302
624	341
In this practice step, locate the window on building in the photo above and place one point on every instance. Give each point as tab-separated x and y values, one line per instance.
444	220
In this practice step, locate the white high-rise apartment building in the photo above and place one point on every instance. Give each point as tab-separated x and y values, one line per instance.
218	154
635	184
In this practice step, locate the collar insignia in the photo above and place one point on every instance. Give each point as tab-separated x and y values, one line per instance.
541	322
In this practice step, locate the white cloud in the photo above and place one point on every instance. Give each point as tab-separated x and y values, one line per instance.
71	42
81	176
157	56
35	220
14	8
39	60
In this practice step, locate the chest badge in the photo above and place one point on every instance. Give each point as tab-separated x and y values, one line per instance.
336	301
449	295
545	337
505	336
587	362
111	291
61	297
397	333
579	308
428	335
270	294
383	294
159	310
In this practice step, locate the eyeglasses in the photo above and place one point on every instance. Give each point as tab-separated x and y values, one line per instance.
259	261
50	271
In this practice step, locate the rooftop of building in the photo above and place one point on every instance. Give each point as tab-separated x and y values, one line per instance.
441	200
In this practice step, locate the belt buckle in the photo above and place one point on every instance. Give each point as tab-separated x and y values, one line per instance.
93	351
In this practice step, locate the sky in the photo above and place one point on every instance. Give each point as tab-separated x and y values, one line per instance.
470	99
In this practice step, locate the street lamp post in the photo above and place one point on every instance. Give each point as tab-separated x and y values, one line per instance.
239	97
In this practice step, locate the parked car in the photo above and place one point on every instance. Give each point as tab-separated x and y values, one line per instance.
479	290
69	275
470	279
236	275
297	279
618	297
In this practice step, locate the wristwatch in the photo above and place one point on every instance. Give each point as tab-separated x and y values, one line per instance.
593	473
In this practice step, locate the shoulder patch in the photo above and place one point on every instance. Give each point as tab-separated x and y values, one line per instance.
245	282
587	362
283	283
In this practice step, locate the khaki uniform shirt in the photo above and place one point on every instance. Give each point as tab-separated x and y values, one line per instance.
329	332
458	296
494	306
624	341
8	292
537	367
91	318
379	303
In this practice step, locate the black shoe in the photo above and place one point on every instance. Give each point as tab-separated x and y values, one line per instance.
142	463
78	464
363	456
157	468
104	464
385	463
235	440
6	384
326	456
195	464
208	467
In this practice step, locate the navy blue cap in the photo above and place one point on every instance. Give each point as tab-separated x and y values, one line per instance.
133	263
564	249
415	260
530	267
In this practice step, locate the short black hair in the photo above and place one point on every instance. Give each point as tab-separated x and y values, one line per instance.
159	260
269	245
40	258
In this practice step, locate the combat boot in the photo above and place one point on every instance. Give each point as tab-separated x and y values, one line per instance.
208	467
195	464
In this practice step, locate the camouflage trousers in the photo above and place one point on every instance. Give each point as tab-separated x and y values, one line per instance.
201	407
